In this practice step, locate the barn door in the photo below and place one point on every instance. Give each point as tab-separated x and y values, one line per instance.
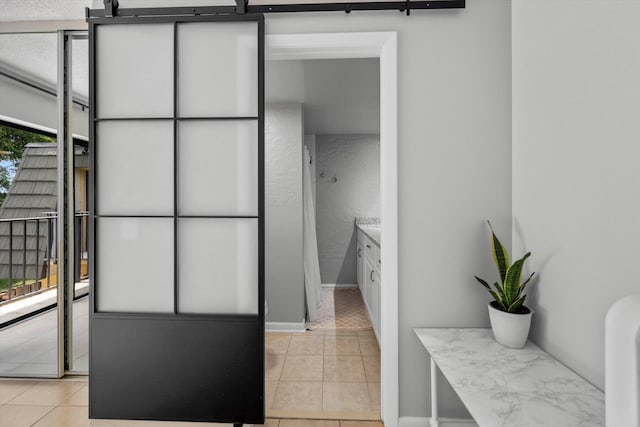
177	205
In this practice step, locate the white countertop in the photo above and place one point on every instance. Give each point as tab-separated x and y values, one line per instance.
373	231
512	387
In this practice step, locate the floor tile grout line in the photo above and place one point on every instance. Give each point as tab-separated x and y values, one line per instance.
20	394
47	413
322	393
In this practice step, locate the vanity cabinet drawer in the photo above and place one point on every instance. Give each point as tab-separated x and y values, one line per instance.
368	271
372	250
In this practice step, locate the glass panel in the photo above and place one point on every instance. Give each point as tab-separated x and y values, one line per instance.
218	168
28	279
28	338
135	168
208	86
135	271
135	76
78	348
218	265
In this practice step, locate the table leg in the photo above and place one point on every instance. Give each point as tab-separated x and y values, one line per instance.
434	395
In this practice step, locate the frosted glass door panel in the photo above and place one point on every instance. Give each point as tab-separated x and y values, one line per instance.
219	77
218	265
135	77
135	171
218	168
136	265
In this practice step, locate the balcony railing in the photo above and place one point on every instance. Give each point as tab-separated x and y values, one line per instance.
28	254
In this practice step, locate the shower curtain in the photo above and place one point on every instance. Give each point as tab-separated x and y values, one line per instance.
313	286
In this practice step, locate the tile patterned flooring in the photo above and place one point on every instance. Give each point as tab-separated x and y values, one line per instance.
332	374
63	403
341	308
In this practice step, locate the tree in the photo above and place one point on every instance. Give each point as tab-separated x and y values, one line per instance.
12	143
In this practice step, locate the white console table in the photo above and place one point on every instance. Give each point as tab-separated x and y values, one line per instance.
509	387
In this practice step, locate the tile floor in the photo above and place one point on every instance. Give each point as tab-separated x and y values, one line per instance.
341	308
332	374
63	403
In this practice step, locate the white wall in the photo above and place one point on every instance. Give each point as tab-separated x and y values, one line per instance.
576	174
284	276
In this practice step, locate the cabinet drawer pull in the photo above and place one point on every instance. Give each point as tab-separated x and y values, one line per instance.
359	252
371	275
368	246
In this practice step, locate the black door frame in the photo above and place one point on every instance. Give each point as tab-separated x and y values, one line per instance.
174	366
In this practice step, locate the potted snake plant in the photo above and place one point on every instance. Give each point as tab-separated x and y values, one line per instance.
510	318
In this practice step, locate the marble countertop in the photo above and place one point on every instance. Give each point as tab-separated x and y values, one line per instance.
369	226
512	387
373	231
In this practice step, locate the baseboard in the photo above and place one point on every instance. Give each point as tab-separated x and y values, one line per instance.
285	327
444	422
339	285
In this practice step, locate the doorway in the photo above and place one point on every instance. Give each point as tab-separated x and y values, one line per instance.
363	45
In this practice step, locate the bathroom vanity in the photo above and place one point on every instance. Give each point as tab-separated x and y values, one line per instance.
368	270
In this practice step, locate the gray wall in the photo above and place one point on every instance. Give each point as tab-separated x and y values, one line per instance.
576	181
355	161
284	281
454	165
339	96
24	103
351	87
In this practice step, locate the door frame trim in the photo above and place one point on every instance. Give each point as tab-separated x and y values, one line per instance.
382	45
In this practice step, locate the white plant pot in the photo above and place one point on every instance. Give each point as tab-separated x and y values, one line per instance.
510	329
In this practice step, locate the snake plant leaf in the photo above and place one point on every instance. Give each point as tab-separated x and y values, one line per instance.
524	285
508	293
516	304
500	254
512	279
527	281
483	283
500	293
497	298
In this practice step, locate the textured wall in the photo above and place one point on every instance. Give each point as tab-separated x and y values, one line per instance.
576	181
355	161
284	277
